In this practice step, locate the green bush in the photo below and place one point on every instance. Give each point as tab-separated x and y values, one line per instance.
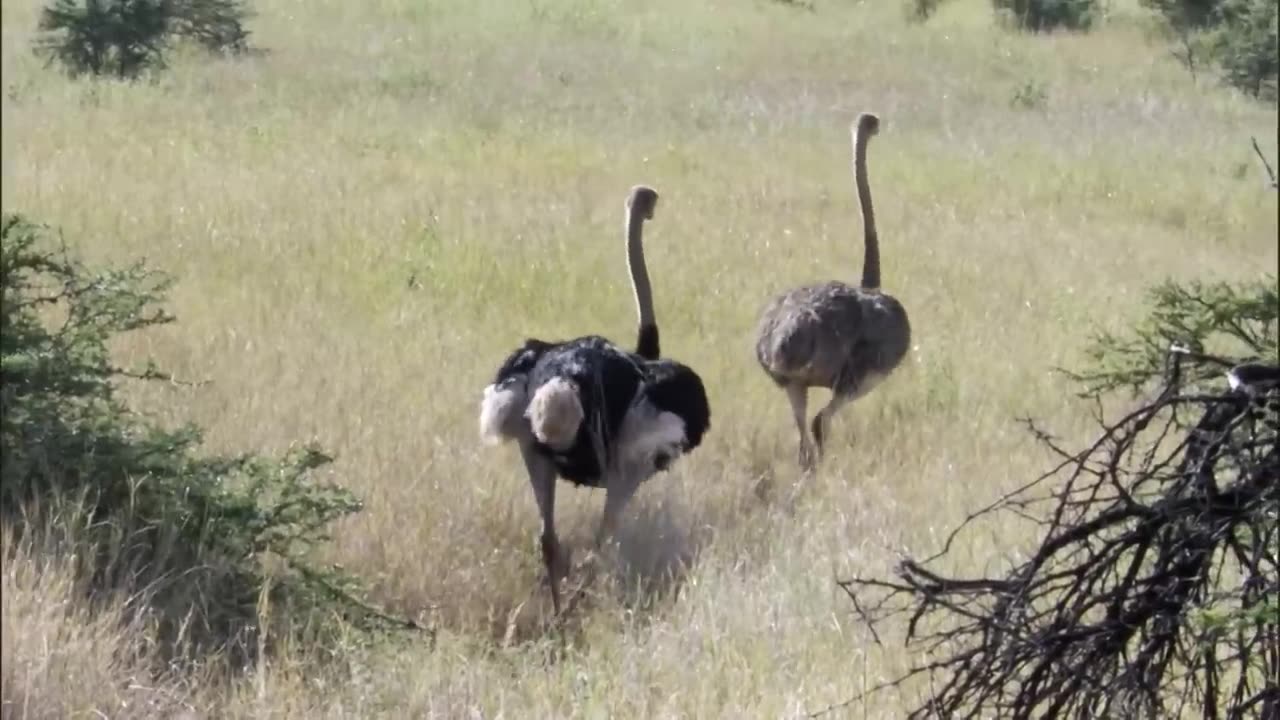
1030	95
1244	45
216	25
204	538
1239	37
1044	15
125	37
1235	320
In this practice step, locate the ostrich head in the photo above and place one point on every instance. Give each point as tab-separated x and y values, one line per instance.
643	200
868	124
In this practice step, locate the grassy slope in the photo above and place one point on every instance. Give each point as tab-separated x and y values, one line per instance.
484	149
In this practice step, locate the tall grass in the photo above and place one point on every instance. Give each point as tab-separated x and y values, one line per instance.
366	218
63	656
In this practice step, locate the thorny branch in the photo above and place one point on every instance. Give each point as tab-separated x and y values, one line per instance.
1153	588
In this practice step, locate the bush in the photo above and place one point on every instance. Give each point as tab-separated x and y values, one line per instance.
1152	589
1244	45
1044	15
216	25
125	37
1030	95
1238	36
1232	320
203	538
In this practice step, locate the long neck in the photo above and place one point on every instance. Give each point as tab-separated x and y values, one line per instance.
647	340
871	258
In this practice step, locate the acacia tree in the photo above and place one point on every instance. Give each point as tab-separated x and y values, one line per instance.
126	37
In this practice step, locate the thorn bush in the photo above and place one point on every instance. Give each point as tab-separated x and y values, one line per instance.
200	536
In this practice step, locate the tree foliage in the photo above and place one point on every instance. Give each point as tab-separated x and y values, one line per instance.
1239	37
125	37
1152	589
1044	15
1244	45
1229	320
201	536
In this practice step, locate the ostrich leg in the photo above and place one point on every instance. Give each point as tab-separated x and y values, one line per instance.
542	475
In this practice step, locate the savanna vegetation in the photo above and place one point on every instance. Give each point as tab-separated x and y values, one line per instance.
243	478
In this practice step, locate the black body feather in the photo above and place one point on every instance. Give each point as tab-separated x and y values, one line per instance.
647	344
675	388
610	382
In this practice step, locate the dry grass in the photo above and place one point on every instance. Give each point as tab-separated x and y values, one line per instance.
62	657
366	219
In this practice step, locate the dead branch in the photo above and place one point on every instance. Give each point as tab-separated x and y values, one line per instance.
1151	591
1271	176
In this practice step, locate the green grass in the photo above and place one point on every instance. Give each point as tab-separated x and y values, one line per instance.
484	149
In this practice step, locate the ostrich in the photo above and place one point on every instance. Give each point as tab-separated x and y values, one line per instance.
1249	378
833	335
594	414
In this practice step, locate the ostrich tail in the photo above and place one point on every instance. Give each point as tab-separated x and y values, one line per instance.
500	412
555	413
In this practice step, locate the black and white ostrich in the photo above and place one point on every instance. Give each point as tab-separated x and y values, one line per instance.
593	413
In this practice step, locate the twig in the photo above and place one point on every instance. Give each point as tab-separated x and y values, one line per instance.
349	599
1271	176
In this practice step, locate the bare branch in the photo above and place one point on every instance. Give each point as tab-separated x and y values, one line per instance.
1271	176
1147	591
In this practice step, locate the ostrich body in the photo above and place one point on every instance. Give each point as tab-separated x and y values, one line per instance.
593	413
1252	378
833	335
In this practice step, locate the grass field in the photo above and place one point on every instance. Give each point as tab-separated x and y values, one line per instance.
365	219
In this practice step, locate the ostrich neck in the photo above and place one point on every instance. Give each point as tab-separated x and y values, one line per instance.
640	281
871	258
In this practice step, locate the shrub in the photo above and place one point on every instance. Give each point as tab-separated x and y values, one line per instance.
203	537
125	37
1044	15
1030	95
1152	589
1233	320
1244	44
216	25
1238	36
119	37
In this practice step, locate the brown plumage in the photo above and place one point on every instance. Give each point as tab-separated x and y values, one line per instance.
835	335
